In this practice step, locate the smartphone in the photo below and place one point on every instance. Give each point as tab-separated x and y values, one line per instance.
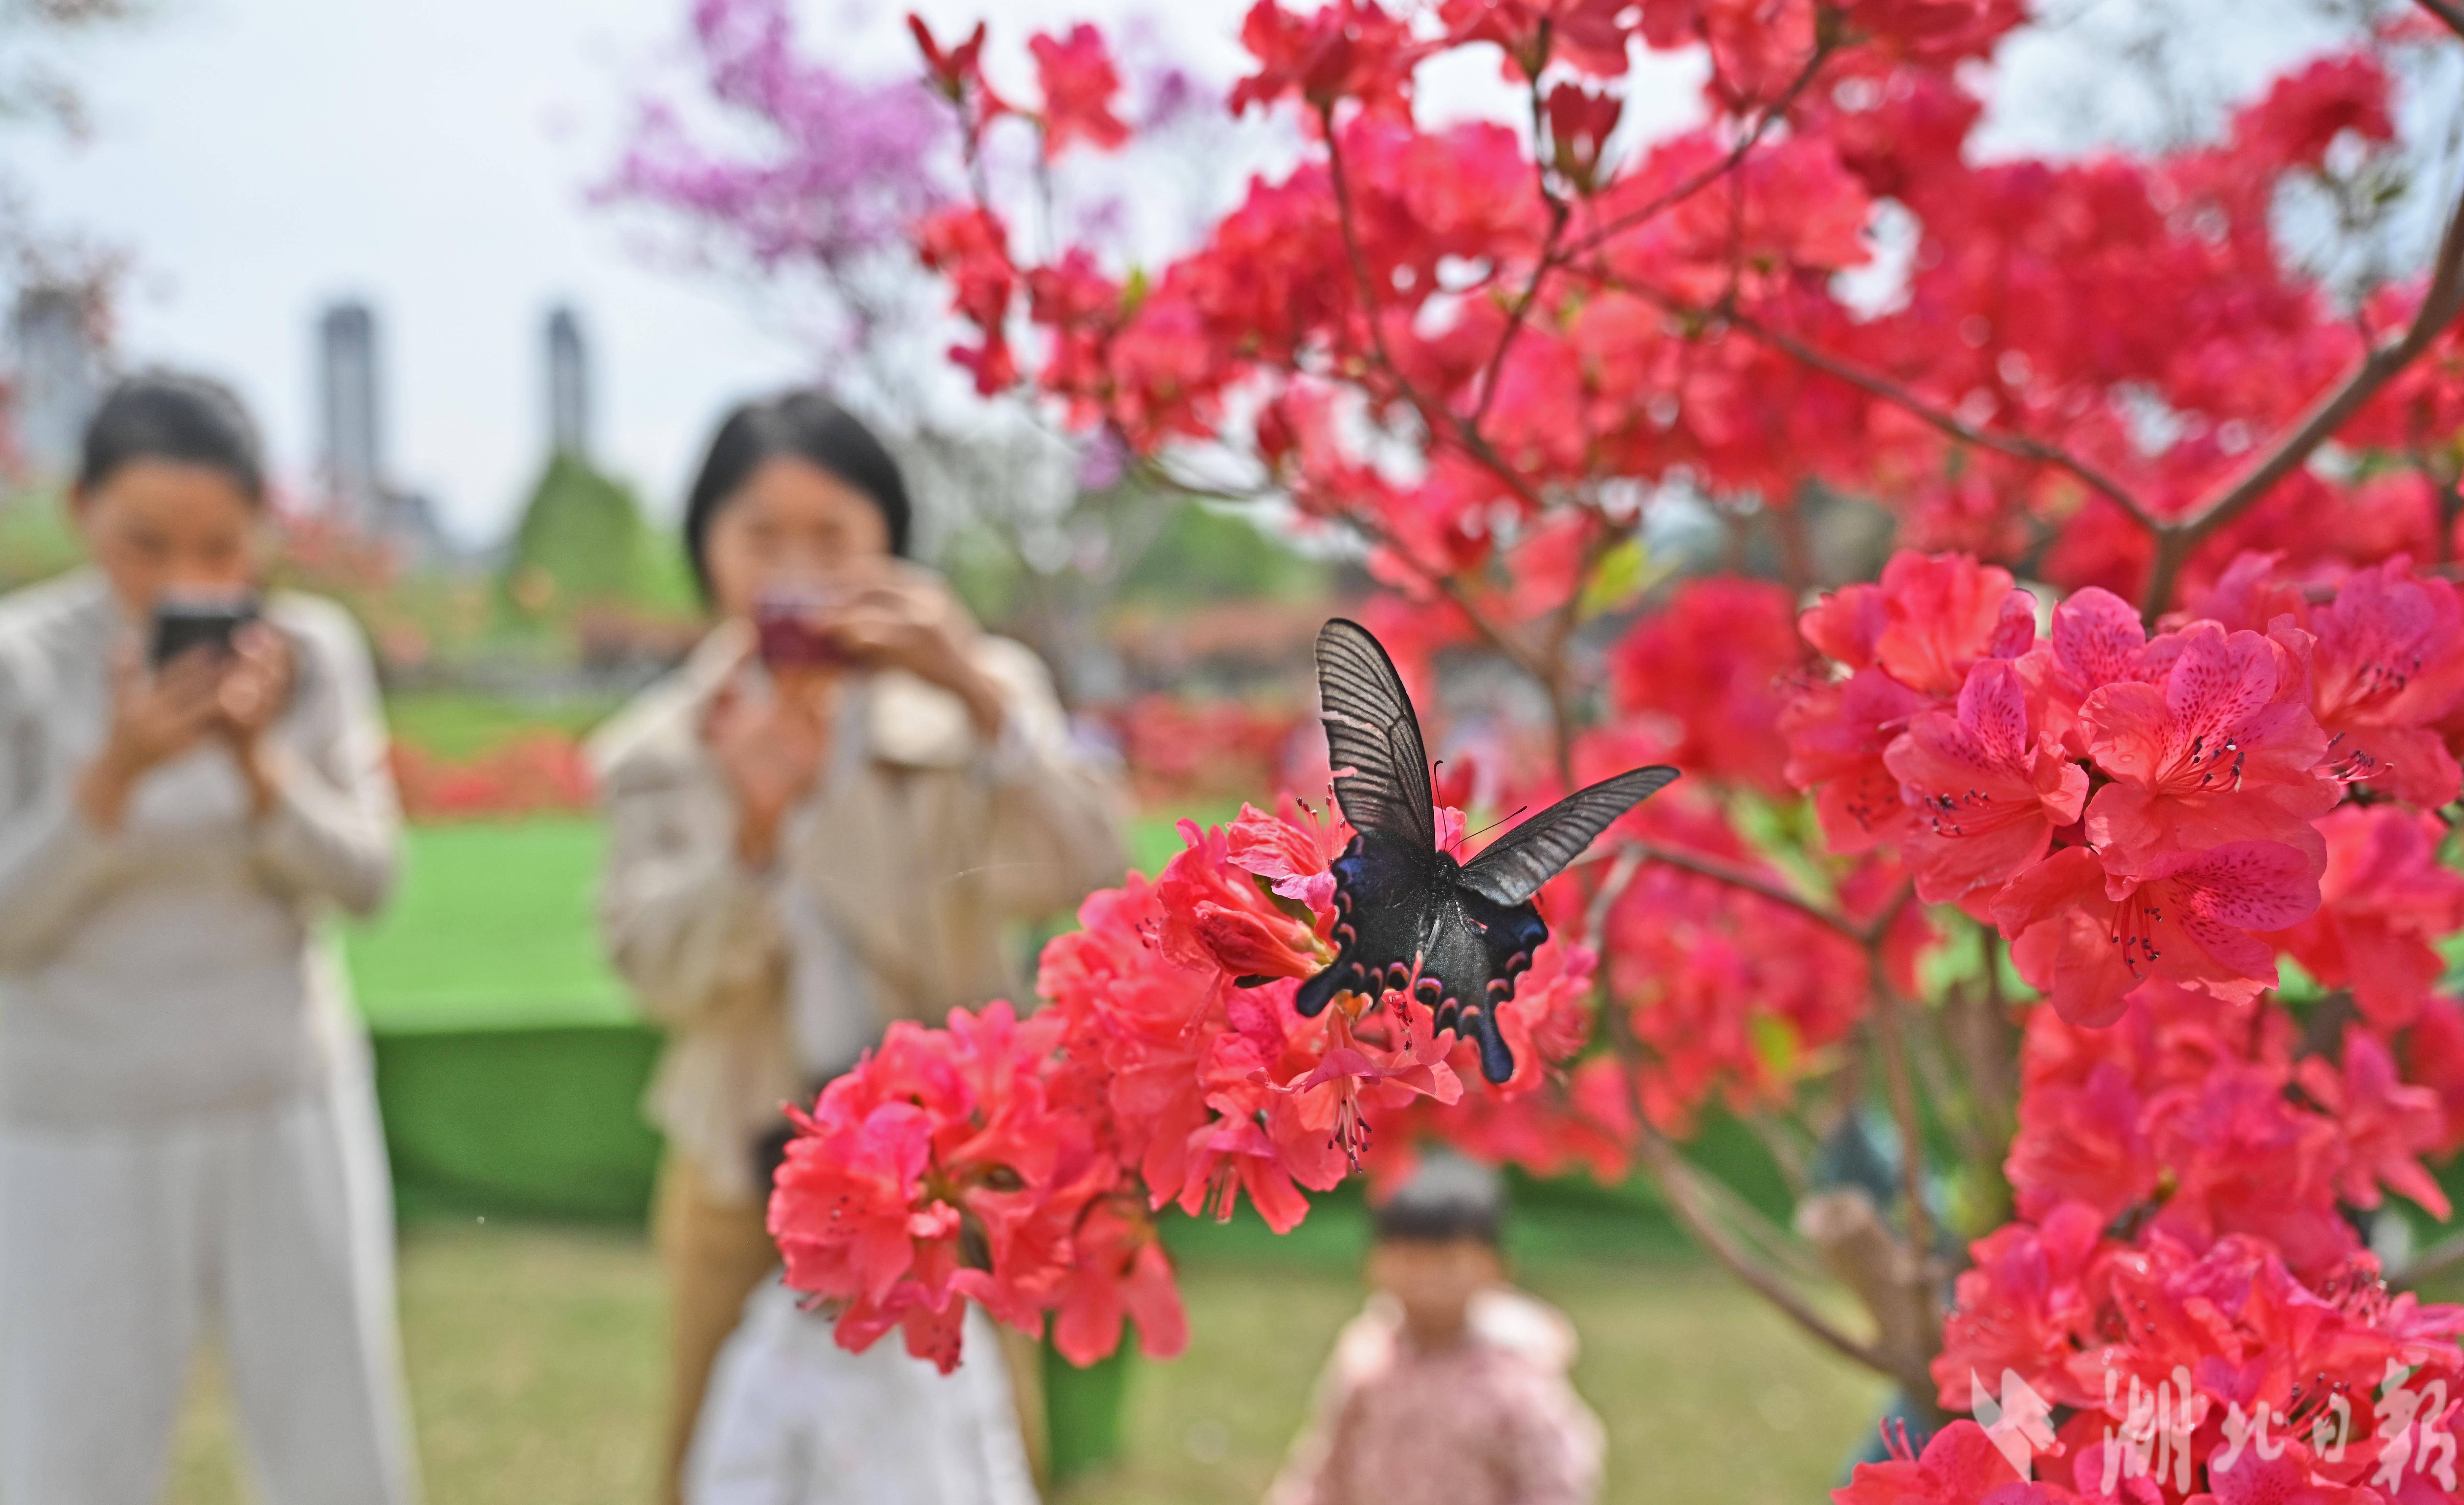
783	624
183	623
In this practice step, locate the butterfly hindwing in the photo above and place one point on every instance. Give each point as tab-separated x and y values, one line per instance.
1381	902
1372	739
1476	955
1516	864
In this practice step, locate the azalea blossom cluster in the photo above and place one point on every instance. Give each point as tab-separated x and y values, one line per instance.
2213	749
2149	820
1019	1162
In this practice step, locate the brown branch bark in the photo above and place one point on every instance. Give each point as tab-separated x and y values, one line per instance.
2440	304
2448	12
2019	447
1675	1179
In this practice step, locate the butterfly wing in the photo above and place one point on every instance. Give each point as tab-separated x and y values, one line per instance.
1518	863
1478	950
1381	912
1372	740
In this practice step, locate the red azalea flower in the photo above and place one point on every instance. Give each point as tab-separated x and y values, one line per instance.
1961	1466
2097	639
2385	1123
1988	790
1944	612
1214	912
2389	664
2433	1057
1715	660
1836	736
1349	50
2384	899
2246	1160
958	72
1079	81
2021	1305
2217	745
1119	1269
1296	854
2088	938
2082	1143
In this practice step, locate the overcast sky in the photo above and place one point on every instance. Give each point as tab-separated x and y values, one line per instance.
259	157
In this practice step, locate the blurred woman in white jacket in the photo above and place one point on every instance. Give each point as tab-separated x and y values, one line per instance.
187	1129
826	820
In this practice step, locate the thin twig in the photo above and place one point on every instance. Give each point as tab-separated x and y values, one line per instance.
1438	419
1893	1045
1754	883
1734	159
1493	367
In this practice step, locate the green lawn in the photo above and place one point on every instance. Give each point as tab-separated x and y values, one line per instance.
534	1358
492	925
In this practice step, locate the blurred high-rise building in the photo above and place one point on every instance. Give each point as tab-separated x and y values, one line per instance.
58	377
360	491
351	450
568	385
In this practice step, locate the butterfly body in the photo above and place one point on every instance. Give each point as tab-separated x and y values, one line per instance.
1410	915
1411	925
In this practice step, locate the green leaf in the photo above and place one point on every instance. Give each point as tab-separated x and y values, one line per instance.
1624	573
1776	1042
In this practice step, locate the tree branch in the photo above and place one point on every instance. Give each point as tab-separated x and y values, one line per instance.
2448	12
2019	447
2436	1260
2440	303
1491	368
1887	1037
1675	1179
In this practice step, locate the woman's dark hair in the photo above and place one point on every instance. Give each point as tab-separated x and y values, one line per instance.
172	415
1447	1198
809	427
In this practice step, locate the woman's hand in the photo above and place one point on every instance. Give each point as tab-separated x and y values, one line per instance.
254	689
769	749
155	717
904	617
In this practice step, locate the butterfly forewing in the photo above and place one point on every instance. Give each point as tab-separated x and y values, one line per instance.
1517	863
1372	739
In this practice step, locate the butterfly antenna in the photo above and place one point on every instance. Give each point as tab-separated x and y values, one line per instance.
1491	826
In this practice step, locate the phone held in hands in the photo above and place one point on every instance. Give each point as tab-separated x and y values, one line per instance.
783	625
198	621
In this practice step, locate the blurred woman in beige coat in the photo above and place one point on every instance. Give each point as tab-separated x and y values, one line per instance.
826	820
